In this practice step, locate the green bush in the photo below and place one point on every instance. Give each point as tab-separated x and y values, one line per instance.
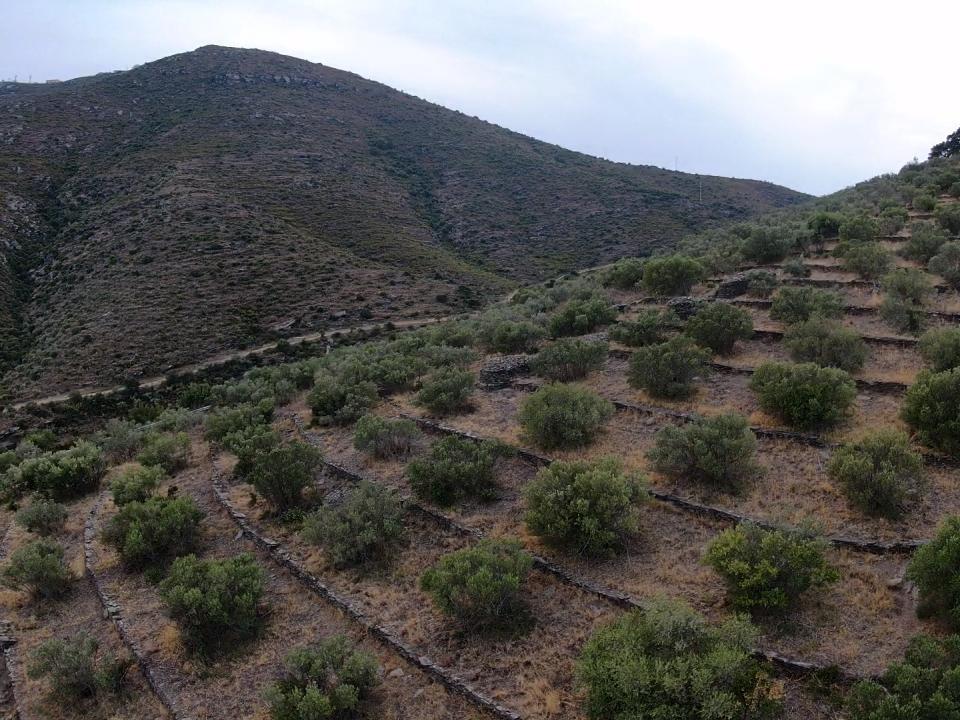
588	508
880	474
579	317
215	602
940	349
38	567
932	408
761	283
59	475
367	527
569	359
718	326
804	395
948	216
667	369
716	451
826	343
647	328
859	228
73	672
946	263
508	336
892	219
281	474
454	470
934	569
767	244
222	422
385	438
120	439
151	533
666	661
42	516
136	483
825	225
768	570
337	402
480	585
563	416
922	686
796	304
446	391
868	260
795	268
672	275
924	202
328	680
170	451
925	241
906	292
248	444
624	274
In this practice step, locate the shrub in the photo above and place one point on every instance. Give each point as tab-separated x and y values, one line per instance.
337	402
825	225
892	219
768	570
796	304
455	469
226	421
666	661
826	343
718	326
647	328
589	508
569	359
215	602
924	202
766	244
925	241
667	369
879	474
795	268
868	260
366	527
624	273
563	416
717	451
480	585
859	228
120	439
761	283
38	567
446	391
385	438
281	474
42	516
60	475
906	291
948	216
940	349
328	680
672	275
248	444
151	533
508	336
932	408
922	686
169	451
946	263
73	672
934	570
579	317
804	395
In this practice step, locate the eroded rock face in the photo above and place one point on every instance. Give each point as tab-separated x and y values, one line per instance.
685	307
733	286
501	371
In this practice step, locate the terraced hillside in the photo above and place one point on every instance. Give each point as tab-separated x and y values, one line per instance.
657	486
223	197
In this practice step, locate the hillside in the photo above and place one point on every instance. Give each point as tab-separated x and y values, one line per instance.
209	200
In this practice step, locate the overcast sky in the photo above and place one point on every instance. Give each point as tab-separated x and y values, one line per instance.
814	95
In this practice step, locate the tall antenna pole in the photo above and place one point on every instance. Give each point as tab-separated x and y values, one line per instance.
700	180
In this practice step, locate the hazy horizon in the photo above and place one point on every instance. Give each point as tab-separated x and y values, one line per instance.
814	98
